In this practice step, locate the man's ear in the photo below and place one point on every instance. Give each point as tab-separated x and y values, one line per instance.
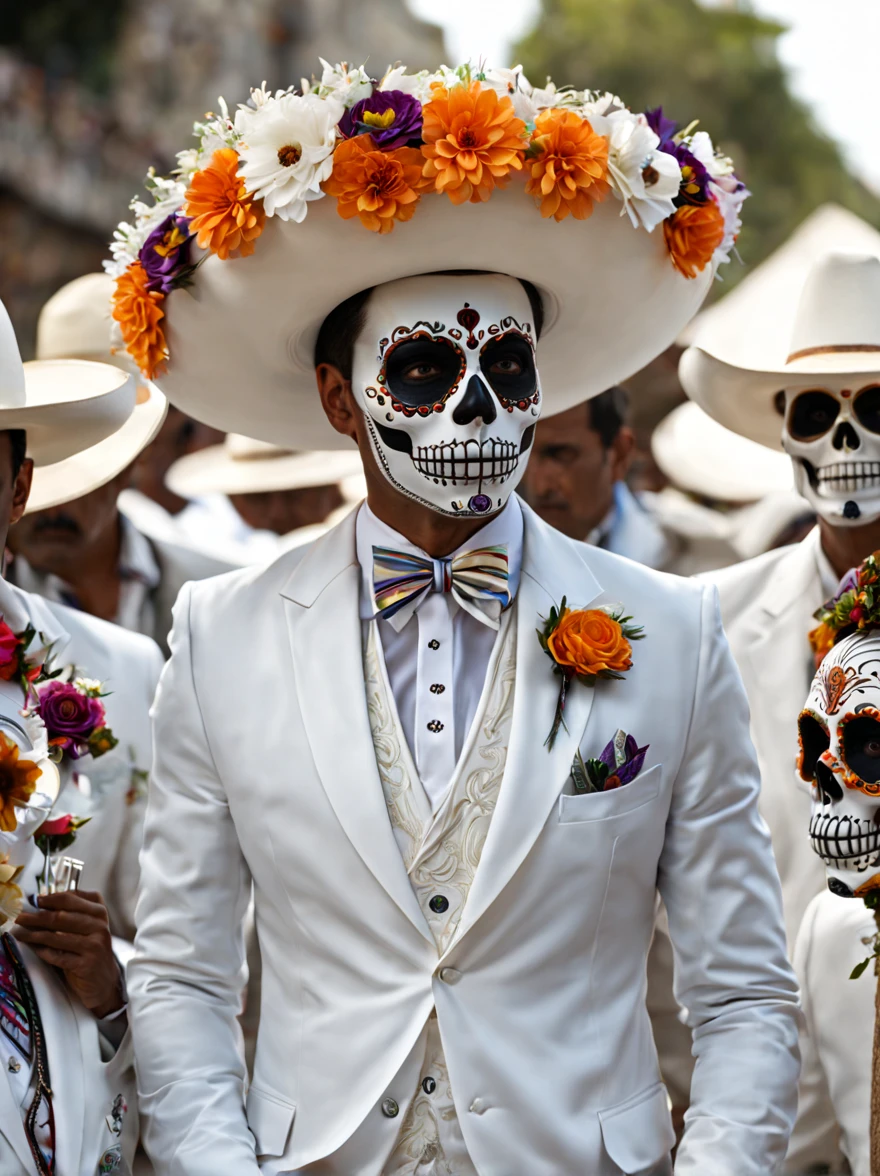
621	453
21	490
337	399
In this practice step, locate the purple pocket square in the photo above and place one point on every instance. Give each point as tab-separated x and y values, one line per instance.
619	764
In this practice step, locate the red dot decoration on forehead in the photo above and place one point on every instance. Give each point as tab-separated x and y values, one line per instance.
468	318
846	393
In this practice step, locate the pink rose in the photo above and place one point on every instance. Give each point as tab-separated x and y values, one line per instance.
70	716
9	644
59	827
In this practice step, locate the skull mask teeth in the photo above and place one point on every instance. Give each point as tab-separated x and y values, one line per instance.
839	737
832	434
445	374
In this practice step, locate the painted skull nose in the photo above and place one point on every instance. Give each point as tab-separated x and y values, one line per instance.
845	437
827	782
477	401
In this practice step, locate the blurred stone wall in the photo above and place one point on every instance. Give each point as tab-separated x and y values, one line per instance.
71	159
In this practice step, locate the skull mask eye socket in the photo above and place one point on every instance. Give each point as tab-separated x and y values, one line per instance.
812	414
508	363
814	741
861	747
866	408
423	370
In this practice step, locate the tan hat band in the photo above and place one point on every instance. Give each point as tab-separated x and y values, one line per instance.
832	349
250	455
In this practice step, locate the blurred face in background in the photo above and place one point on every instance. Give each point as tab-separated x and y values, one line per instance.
15	485
283	511
571	473
179	435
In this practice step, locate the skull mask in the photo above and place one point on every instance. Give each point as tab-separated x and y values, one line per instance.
444	371
839	737
832	434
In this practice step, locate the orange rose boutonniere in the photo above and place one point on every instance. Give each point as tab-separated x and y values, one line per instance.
586	644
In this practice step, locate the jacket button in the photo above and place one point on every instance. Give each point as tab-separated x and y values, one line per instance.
429	1085
450	975
390	1109
439	903
478	1106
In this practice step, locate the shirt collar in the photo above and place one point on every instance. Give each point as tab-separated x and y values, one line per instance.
504	528
136	558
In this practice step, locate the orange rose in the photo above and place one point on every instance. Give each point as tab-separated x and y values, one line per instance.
588	641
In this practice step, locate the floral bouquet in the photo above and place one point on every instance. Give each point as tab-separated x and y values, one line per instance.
75	718
855	606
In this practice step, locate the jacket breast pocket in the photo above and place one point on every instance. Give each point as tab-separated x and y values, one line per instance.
270	1118
600	806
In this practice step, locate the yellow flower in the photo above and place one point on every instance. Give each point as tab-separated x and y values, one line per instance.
11	897
18	778
821	640
588	641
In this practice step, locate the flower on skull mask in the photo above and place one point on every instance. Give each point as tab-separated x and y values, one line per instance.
18	779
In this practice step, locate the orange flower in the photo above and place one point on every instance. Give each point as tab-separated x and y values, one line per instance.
472	140
18	778
822	640
588	641
693	233
378	186
139	314
226	218
571	169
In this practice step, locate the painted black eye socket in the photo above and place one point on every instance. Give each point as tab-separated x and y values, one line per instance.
812	415
866	408
814	742
508	363
861	747
423	371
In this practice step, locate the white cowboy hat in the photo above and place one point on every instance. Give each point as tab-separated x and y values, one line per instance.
63	405
836	332
700	456
75	323
242	340
242	465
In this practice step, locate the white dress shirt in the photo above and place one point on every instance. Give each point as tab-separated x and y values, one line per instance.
437	659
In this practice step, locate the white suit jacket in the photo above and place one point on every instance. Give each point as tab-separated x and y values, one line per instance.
265	769
129	665
87	1077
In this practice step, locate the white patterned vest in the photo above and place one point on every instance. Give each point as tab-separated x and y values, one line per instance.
441	852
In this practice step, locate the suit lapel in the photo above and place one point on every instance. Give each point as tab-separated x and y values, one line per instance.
324	627
12	1126
553	567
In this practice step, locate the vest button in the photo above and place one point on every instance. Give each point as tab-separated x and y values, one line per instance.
438	904
429	1085
437	688
390	1109
435	726
450	975
434	644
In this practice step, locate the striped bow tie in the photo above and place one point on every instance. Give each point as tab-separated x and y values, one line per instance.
477	580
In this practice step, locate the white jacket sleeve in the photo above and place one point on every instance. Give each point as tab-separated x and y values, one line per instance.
718	879
186	979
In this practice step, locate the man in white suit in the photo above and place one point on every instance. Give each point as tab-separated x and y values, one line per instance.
454	908
820	396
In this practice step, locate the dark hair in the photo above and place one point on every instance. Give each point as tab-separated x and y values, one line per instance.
340	329
17	449
608	413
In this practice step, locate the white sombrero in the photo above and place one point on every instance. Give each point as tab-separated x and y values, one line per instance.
836	332
75	323
242	465
700	456
63	405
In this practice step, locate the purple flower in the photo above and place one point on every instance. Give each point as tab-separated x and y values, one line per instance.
694	177
663	128
625	772
70	716
391	117
165	253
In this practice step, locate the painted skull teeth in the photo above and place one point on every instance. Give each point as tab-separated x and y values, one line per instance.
848	476
845	842
467	461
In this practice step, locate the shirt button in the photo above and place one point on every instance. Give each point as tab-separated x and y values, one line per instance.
439	903
435	644
436	726
390	1109
429	1085
14	1065
478	1106
437	688
450	975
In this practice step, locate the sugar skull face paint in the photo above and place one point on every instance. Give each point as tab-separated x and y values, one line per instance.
445	374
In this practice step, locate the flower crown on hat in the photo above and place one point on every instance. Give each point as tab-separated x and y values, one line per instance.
856	606
380	147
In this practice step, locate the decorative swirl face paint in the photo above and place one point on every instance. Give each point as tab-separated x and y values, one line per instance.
445	374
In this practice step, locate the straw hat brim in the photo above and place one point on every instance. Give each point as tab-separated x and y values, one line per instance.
215	471
91	468
744	399
242	338
69	405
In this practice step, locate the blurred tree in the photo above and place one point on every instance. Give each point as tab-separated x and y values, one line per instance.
718	65
66	38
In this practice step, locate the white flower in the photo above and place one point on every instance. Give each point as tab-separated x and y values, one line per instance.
37	734
700	145
11	897
543	98
645	179
287	150
730	195
346	85
123	249
604	103
90	686
418	84
513	84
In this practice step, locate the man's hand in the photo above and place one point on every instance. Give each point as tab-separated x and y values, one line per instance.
71	931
